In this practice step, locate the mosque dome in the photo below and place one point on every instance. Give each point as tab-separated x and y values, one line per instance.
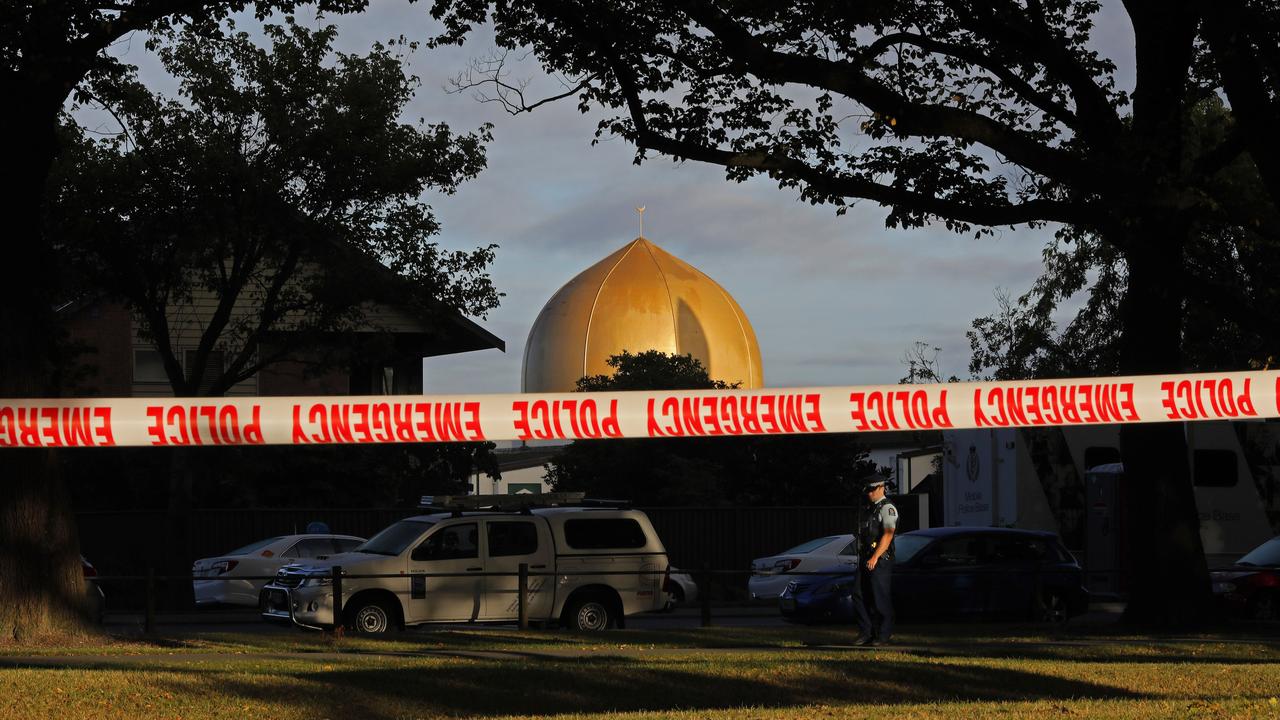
639	298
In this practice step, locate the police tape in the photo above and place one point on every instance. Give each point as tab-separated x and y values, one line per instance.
107	422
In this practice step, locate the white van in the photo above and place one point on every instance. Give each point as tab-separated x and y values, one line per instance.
589	568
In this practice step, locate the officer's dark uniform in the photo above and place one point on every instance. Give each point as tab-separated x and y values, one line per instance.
878	622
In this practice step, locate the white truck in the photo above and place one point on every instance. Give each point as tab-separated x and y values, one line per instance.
588	568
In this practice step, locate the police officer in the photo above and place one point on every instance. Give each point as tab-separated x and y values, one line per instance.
875	537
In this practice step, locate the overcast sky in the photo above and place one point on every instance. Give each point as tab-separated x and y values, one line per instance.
834	300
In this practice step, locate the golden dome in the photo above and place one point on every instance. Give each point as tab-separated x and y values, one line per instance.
639	298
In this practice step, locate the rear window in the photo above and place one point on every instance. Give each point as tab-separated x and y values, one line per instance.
512	538
254	547
808	547
1265	555
905	547
604	533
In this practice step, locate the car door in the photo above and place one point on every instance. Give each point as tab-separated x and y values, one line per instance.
446	583
1015	560
949	578
508	544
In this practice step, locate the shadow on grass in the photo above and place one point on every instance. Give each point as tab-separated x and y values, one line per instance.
600	684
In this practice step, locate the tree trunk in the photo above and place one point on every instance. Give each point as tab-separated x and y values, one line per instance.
41	581
1168	578
178	551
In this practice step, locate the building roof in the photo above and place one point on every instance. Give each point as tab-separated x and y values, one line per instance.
639	298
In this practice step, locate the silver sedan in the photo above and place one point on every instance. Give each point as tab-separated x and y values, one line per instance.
770	575
236	577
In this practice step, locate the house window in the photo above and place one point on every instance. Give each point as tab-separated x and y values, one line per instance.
148	367
213	368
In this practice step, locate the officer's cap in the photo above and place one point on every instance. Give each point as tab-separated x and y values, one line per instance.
871	482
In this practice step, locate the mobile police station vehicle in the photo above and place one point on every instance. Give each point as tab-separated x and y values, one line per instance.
588	568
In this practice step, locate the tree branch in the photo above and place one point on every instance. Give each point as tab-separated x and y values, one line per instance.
1093	107
912	118
491	74
1042	100
1256	112
837	185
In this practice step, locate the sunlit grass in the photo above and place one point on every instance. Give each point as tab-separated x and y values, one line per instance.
768	672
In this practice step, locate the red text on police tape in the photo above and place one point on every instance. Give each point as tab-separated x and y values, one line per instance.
1065	404
55	427
547	420
1210	398
735	415
386	422
216	424
898	410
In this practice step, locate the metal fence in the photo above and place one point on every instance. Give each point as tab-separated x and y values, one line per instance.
129	543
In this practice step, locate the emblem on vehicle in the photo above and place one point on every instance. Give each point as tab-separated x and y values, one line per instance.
972	465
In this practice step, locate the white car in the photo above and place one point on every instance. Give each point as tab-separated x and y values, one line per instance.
680	588
769	575
237	577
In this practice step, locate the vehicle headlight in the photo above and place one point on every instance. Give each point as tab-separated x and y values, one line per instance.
318	581
1224	587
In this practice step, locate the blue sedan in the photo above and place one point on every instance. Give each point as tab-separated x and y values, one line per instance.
957	571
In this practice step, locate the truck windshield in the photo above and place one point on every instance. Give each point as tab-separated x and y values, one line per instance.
395	538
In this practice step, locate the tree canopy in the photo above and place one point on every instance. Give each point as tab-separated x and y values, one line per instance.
281	187
48	49
1232	307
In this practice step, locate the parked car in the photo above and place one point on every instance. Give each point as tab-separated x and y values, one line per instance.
97	599
592	567
237	577
679	587
1251	587
768	575
958	571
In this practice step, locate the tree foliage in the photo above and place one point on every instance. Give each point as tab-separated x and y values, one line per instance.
281	186
48	48
1231	312
795	470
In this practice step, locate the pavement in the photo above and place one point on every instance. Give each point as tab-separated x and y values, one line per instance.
682	618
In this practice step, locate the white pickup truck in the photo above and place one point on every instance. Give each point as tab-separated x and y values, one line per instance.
588	569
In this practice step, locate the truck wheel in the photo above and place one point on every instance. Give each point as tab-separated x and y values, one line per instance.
590	614
1052	608
372	617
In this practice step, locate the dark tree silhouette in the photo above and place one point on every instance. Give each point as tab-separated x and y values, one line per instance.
258	216
47	50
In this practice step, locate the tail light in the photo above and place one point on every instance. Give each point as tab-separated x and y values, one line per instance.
786	565
89	570
224	566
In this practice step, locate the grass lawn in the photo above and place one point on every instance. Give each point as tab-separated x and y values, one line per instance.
768	672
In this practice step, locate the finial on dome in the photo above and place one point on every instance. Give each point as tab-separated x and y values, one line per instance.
640	212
